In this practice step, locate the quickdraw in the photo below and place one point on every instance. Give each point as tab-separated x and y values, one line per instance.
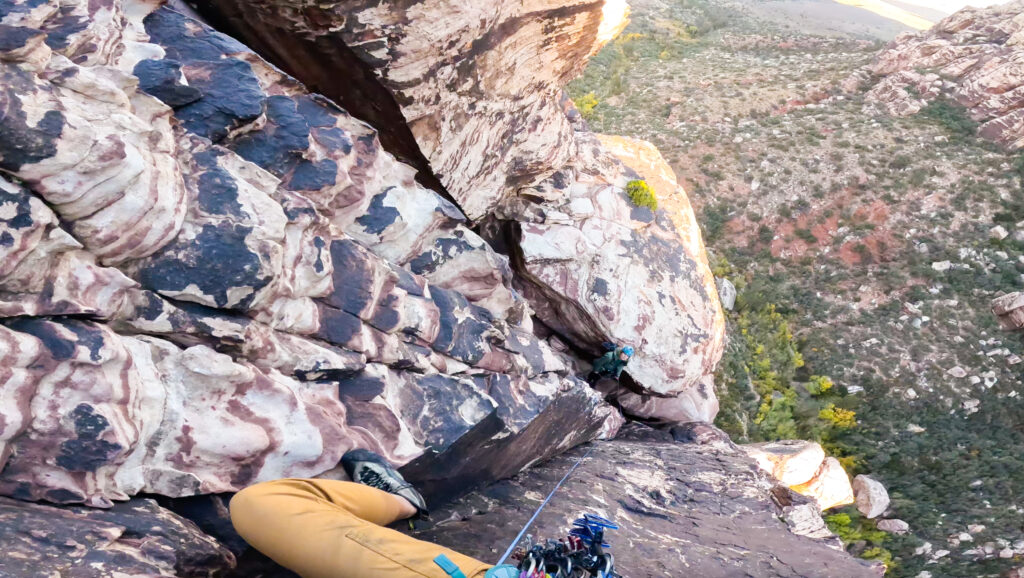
581	553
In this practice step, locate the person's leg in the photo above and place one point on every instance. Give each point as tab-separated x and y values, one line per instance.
332	529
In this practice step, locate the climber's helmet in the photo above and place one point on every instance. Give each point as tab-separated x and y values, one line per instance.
627	352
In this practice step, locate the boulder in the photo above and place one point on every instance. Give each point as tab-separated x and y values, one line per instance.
1009	309
593	266
894	526
136	538
803	467
792	462
699	507
830	486
872	498
726	293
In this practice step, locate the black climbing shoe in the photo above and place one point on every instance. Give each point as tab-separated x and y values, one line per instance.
366	467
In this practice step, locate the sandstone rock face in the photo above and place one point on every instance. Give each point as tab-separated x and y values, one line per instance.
210	277
803	467
872	497
480	90
973	57
1009	309
471	81
704	509
137	538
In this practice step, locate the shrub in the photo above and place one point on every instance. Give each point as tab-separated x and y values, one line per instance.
641	194
952	116
713	219
838	417
819	385
586	105
806	236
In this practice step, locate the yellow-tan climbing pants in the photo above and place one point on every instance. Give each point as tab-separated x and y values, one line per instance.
332	529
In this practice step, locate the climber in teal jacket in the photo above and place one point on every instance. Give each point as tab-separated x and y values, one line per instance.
611	364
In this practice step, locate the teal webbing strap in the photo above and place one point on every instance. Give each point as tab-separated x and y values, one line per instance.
449	567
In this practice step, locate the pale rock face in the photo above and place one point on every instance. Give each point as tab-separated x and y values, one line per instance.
803	467
872	498
978	56
830	486
480	89
792	462
256	286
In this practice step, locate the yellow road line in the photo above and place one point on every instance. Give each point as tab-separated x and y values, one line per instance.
891	12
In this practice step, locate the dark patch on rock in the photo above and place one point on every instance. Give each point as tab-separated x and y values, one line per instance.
407	282
88	335
333	138
493	450
444	249
436	411
353	277
318	111
21	144
448	209
379	217
320	244
14	37
18	6
86	455
386	316
162	79
642	214
6	240
88	423
516	407
60	347
278	146
360	388
185	40
336	326
314	175
462	326
61	27
231	97
152	309
600	287
216	261
63	496
527	345
218	190
22	218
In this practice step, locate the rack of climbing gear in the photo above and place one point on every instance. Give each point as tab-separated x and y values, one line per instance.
580	554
